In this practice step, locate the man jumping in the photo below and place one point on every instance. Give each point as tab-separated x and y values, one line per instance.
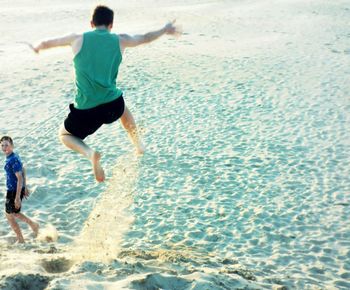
98	101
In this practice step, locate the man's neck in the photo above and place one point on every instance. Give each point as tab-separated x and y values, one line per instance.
102	27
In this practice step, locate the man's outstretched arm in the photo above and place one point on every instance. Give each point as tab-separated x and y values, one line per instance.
135	40
67	40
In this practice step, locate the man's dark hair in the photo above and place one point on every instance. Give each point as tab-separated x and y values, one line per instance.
6	138
102	16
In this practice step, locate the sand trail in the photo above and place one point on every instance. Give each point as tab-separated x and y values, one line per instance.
101	235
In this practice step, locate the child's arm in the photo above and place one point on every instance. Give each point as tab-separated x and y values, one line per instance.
26	190
135	40
67	40
19	189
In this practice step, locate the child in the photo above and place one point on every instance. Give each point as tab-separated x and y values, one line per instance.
97	56
16	189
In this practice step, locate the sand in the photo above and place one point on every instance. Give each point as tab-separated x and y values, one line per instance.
246	177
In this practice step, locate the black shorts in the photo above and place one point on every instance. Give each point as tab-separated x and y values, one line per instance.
82	123
10	201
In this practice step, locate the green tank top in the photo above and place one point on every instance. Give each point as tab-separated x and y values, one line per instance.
96	69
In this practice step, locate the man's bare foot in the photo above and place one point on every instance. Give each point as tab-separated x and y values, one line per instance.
98	170
35	229
134	137
140	149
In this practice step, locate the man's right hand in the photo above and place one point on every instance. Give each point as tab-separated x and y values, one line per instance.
171	29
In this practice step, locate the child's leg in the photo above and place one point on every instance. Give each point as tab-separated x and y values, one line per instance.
33	225
14	225
129	125
78	145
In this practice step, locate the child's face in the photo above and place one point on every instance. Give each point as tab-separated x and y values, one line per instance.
6	147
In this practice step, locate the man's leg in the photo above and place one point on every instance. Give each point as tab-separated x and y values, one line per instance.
79	146
14	225
33	225
129	124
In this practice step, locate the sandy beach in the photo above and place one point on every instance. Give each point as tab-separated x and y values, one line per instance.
245	182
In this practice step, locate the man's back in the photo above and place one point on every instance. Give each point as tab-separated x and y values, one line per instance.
96	68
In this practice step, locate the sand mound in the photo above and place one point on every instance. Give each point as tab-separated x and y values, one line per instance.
58	265
22	281
160	255
157	281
